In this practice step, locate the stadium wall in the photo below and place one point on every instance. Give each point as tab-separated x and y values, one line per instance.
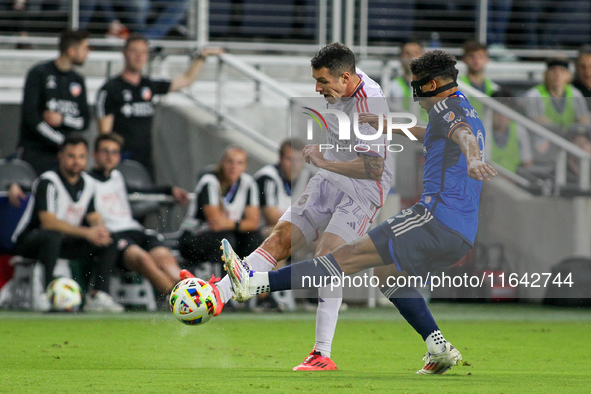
537	232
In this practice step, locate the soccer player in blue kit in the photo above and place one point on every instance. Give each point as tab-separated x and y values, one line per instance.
433	234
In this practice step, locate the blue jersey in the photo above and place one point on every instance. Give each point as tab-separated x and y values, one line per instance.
450	194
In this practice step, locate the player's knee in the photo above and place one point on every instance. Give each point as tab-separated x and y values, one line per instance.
160	252
135	257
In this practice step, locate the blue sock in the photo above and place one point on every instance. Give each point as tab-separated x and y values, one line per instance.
413	308
306	274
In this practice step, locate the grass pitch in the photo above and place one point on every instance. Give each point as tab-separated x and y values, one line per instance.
506	348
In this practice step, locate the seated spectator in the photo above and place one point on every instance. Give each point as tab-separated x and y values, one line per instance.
226	205
139	249
169	15
87	10
476	57
279	183
580	135
583	74
61	221
555	103
511	147
400	92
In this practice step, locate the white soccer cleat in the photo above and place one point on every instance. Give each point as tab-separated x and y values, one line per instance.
239	272
102	302
439	363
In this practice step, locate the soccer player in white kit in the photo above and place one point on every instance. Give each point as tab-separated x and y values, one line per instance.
345	195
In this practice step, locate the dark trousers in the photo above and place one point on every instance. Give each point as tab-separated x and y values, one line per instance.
206	246
47	246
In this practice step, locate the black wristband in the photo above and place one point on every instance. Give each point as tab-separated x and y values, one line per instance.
237	228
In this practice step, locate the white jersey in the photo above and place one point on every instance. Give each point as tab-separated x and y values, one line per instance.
208	192
58	201
277	192
369	194
112	202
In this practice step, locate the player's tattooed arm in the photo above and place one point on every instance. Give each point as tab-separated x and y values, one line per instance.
374	166
366	166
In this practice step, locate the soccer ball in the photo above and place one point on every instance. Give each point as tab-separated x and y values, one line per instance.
192	301
64	295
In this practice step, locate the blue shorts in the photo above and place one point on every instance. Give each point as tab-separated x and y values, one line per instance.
416	242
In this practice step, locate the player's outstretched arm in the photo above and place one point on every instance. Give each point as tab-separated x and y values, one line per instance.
194	70
477	169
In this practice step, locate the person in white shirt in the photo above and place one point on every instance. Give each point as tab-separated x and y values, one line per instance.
139	249
226	205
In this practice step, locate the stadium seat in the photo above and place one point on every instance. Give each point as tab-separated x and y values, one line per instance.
132	289
136	176
25	287
16	171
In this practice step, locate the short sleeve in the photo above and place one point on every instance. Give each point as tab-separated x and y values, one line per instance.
447	116
267	191
106	102
46	197
252	198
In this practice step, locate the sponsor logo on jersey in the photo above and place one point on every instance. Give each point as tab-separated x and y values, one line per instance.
51	83
146	93
75	89
471	113
448	117
127	96
303	200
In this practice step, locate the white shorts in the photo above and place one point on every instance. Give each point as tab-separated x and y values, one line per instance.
323	205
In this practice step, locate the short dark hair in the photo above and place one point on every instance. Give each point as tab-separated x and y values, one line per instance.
70	38
73	139
434	61
108	137
502	92
336	57
135	37
557	61
293	143
410	41
473	46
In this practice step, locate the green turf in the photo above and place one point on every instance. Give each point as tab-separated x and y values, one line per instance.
508	348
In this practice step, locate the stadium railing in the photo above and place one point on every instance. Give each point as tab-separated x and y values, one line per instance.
370	27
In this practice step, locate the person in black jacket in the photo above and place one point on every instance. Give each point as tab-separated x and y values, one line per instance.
125	103
54	102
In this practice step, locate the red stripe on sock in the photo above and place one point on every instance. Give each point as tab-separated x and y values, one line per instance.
264	254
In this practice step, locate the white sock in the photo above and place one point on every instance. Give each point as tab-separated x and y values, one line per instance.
435	342
261	261
259	283
225	288
327	314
